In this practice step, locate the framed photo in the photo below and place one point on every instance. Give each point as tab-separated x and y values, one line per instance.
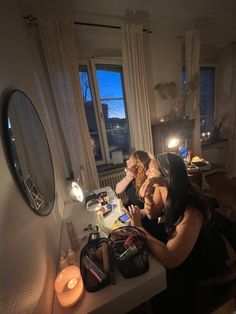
33	192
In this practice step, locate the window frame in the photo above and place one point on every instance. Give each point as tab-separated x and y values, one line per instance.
212	65
97	103
206	65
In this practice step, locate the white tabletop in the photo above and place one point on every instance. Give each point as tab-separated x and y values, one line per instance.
126	294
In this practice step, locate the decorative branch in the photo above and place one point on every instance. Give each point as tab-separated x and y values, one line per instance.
169	90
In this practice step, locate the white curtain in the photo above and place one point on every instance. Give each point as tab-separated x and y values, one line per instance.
136	87
58	41
193	77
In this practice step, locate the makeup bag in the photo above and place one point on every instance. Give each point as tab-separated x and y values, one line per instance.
95	263
129	248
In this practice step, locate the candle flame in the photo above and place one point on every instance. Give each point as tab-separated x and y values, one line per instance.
72	283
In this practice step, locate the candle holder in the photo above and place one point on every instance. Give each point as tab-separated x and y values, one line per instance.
69	286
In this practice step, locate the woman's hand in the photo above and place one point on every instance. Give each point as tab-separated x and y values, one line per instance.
131	172
135	215
146	189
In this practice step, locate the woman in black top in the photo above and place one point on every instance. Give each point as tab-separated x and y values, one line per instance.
192	248
137	165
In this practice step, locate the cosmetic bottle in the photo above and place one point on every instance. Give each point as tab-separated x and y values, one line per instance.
132	250
100	220
105	258
93	268
72	235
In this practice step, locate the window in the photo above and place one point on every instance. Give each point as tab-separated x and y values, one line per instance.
105	106
207	91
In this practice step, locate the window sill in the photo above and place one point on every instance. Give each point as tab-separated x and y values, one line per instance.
213	142
110	168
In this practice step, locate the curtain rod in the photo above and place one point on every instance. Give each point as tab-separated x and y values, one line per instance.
97	25
32	19
148	31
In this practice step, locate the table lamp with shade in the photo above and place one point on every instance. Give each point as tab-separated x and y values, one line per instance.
174	145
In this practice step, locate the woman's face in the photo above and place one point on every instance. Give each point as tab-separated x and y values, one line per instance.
131	162
153	169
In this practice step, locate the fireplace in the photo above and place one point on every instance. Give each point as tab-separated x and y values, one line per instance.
162	132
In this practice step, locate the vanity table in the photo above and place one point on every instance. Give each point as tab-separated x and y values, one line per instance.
121	297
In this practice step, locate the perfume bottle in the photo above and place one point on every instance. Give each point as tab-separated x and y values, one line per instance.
72	235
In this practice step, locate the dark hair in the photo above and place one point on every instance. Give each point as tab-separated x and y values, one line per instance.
180	192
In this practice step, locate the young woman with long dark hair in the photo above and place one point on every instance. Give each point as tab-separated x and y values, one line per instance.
190	248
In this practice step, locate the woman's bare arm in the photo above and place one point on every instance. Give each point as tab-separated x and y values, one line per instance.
122	185
177	249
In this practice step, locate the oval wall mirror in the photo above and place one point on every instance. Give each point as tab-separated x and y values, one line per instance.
28	152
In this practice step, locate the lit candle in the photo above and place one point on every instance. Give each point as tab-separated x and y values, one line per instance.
69	286
203	134
72	283
208	134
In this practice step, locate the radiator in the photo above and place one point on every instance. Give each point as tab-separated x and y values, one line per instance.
111	180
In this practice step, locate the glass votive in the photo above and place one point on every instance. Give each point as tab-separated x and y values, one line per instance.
69	286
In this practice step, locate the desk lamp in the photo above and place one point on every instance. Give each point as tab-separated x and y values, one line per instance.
78	192
173	143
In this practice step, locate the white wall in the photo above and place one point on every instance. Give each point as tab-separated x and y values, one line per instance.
164	64
28	242
98	42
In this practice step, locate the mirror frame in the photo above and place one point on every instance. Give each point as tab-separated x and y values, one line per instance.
8	151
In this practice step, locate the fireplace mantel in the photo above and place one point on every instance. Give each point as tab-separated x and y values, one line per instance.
163	131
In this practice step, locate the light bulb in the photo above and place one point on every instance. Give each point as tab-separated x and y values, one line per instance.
76	192
173	143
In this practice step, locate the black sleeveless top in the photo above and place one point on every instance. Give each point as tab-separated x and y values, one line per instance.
133	198
208	256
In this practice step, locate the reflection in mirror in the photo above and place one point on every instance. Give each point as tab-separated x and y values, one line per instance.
28	152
